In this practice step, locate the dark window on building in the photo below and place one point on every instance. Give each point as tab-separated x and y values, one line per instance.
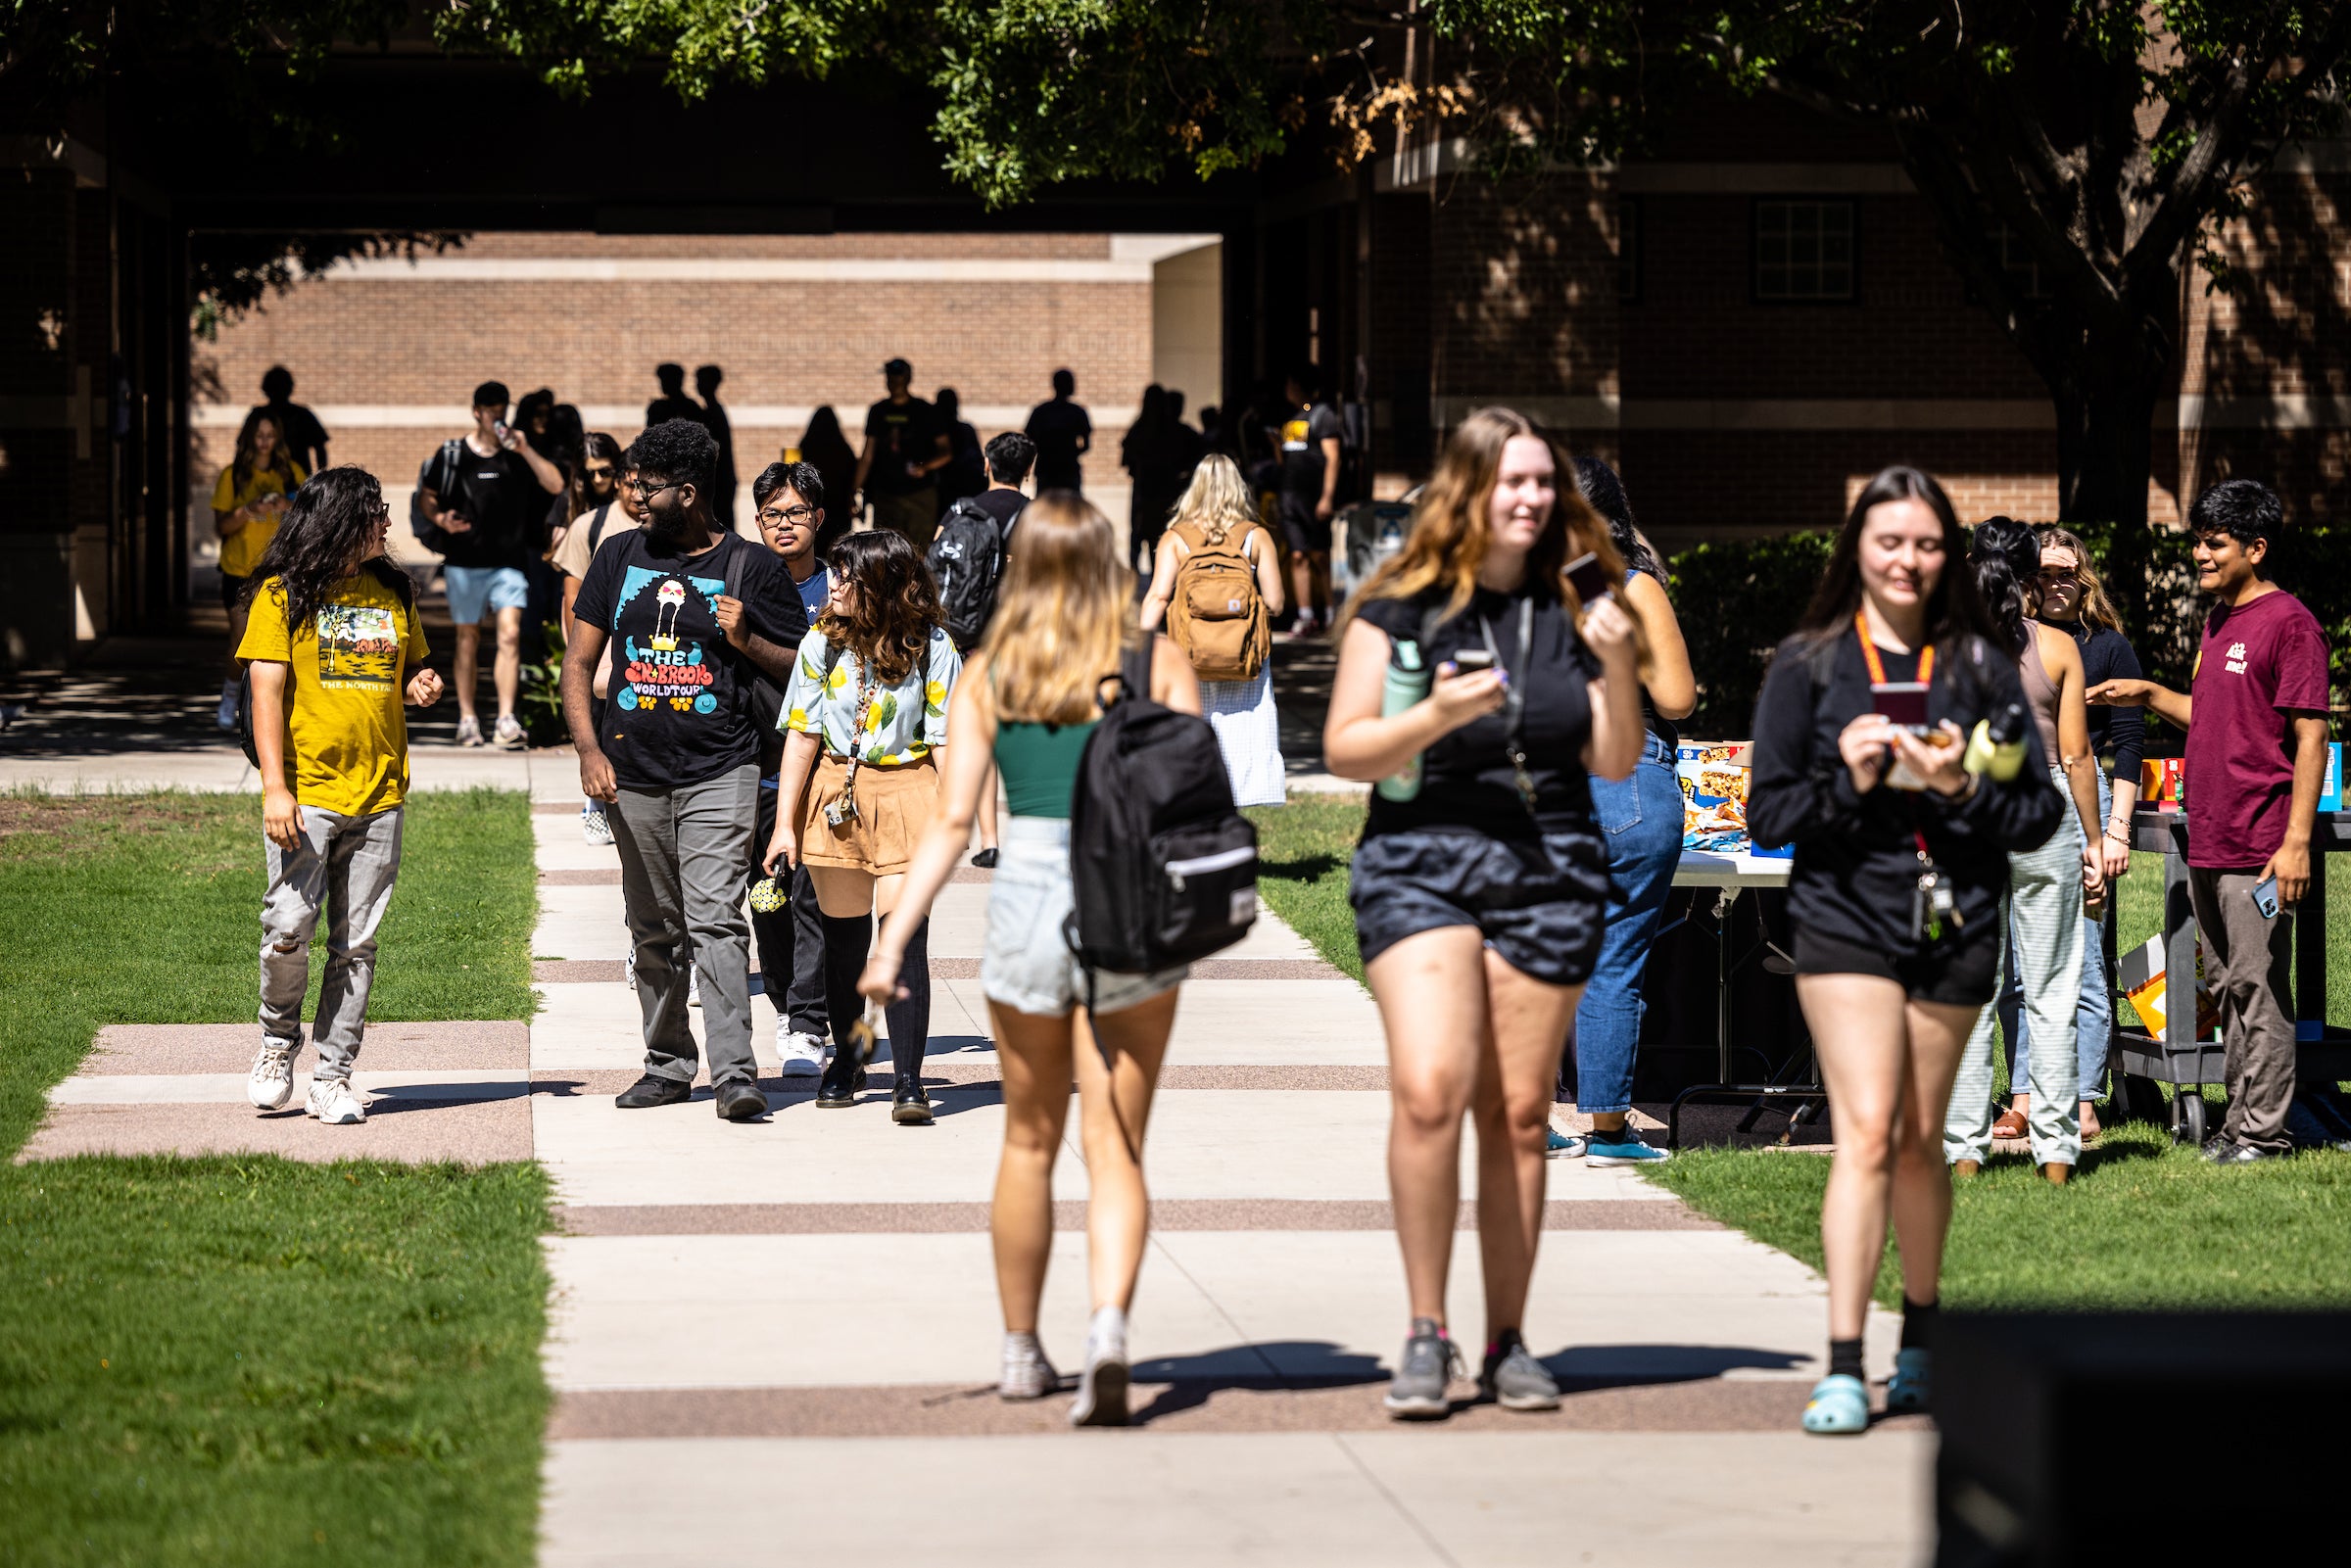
1804	251
1628	249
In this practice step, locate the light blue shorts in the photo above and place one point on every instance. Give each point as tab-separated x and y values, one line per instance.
1026	965
475	591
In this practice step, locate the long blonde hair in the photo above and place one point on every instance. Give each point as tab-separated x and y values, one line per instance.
1218	500
1064	615
2097	610
1451	525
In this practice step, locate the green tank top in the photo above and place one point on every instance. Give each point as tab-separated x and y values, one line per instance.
1039	764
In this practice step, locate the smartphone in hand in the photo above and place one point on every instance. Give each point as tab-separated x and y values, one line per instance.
2265	897
1589	579
1468	661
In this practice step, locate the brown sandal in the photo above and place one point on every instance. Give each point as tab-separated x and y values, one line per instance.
2011	1127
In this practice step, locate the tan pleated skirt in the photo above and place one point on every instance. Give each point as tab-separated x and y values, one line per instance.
894	806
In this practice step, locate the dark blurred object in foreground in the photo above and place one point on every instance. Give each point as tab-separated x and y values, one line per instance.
2147	1437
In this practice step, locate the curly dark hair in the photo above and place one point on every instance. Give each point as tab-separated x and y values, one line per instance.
328	534
897	603
678	451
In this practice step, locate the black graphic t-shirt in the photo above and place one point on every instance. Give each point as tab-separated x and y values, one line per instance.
681	709
902	433
1303	460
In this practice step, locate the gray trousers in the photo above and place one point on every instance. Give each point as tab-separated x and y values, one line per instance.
2247	962
345	866
685	868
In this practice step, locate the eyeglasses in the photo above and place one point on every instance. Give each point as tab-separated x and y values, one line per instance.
643	492
777	516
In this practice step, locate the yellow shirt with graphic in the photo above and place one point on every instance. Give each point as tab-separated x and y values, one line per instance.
241	551
347	748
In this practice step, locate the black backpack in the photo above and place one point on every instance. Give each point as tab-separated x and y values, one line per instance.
391	576
438	474
1163	867
967	559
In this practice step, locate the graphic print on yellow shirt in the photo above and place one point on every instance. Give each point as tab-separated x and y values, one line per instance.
347	734
241	551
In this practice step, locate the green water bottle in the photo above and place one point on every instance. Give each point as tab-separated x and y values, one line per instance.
1407	682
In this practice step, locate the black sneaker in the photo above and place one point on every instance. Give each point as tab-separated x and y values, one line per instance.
651	1090
740	1101
843	1079
909	1106
984	859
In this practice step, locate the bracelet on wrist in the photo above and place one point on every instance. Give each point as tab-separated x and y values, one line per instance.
2121	838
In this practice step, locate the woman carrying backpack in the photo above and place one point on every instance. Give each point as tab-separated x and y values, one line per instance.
1031	700
1215	581
866	710
1481	887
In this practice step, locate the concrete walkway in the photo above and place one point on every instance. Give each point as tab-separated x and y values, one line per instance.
779	1340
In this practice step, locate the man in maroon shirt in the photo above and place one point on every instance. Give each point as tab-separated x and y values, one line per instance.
2256	758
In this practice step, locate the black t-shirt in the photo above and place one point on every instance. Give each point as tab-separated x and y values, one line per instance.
502	499
902	433
682	707
1466	784
306	437
1302	459
1057	427
1003	505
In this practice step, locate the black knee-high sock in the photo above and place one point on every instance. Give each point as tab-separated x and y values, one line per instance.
1918	1324
848	940
1844	1358
910	1015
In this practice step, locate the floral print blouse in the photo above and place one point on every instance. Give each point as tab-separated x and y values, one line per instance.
902	723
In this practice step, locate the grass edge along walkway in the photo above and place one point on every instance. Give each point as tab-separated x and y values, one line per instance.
2142	1225
244	1358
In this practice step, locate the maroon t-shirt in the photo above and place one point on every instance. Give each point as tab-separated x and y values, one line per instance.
2261	664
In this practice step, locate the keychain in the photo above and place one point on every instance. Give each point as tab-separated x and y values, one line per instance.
1933	901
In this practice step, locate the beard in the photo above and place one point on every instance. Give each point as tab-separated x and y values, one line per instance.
668	524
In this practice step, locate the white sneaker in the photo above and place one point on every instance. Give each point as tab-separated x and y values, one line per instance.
693	986
469	731
594	825
804	1055
628	968
272	1084
509	732
335	1103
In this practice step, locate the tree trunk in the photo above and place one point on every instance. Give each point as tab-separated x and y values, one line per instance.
2106	455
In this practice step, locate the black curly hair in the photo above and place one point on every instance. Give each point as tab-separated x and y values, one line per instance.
678	451
897	603
329	533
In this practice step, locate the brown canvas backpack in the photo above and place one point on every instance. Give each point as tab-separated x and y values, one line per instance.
1217	616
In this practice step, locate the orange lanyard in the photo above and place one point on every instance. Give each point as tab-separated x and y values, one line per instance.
1877	666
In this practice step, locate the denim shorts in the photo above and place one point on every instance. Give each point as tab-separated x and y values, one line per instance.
476	590
1026	964
1541	903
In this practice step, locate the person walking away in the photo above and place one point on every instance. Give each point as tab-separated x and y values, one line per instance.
1011	458
904	449
606	504
830	451
707	379
966	473
485	499
535	417
2049	886
1215	583
698	616
866	709
304	435
2073	600
247	500
1640	820
1027	708
335	647
2256	758
1895	891
786	920
1309	495
1478	899
1153	455
673	401
1064	435
1190	445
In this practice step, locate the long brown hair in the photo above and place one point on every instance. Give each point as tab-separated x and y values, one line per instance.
1064	615
1452	526
1953	608
897	603
2097	610
281	454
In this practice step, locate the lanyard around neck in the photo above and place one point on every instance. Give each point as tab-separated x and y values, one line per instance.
1877	666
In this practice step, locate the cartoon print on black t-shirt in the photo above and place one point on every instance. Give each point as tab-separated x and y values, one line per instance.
667	667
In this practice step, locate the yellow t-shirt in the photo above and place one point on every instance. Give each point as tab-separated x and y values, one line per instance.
346	735
241	551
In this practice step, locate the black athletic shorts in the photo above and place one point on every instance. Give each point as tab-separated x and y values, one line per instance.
230	589
1541	903
1305	531
1960	972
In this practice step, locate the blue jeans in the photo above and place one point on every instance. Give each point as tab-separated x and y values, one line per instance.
2093	1016
1641	821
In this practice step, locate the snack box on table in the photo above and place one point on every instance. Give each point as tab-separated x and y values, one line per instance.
1715	775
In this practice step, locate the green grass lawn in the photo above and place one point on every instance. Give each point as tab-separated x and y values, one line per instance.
2143	1224
250	1360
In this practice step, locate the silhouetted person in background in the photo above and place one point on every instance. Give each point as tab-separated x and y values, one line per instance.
1192	443
1152	454
305	437
905	450
836	463
966	473
1063	434
714	419
673	403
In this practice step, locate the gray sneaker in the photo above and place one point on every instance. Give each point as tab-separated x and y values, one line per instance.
1431	1360
1027	1375
1515	1380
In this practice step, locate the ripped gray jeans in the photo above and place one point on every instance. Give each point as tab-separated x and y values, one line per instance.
345	866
